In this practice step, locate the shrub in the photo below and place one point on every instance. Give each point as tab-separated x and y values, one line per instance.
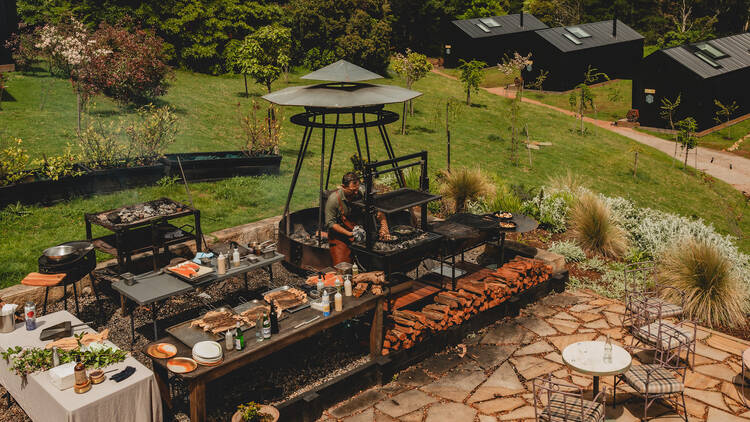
57	166
101	147
698	268
568	249
568	182
505	199
13	161
551	210
595	229
259	135
594	263
152	134
462	185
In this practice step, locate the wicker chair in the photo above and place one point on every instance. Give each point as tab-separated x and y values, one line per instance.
564	402
663	379
640	278
651	332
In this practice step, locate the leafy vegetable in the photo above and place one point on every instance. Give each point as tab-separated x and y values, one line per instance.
28	361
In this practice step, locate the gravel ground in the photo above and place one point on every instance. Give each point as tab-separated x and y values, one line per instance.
273	379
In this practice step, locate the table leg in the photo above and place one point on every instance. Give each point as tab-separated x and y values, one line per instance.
132	329
376	330
246	288
502	250
153	318
596	385
197	401
162	381
270	274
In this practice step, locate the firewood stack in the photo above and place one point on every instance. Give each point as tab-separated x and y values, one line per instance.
476	292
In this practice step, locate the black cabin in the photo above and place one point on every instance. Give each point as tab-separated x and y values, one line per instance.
490	39
700	72
8	25
566	53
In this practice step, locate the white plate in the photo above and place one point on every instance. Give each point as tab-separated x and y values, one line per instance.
207	350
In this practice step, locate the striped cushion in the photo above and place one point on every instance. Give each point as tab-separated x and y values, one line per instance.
45	280
671	335
667	309
661	380
567	408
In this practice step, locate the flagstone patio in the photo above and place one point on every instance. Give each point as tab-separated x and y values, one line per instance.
492	380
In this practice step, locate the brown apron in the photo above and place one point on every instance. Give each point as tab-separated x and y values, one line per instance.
339	243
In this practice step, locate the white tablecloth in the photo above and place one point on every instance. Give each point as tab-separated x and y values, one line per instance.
135	399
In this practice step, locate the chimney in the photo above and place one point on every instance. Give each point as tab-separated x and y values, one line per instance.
614	26
521	18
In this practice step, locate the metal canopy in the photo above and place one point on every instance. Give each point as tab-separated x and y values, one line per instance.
341	95
342	71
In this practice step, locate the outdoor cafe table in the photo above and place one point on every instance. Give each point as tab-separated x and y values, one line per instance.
255	350
587	357
134	399
154	287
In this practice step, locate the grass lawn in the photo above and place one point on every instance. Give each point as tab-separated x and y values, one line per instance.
612	100
721	139
492	77
207	106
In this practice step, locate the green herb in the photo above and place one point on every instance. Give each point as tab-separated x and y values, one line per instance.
35	359
251	413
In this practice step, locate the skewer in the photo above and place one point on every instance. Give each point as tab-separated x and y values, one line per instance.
307	322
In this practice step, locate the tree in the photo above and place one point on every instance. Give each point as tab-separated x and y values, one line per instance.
556	12
472	74
483	8
412	66
686	135
264	55
667	112
636	149
686	28
513	66
725	114
584	98
453	109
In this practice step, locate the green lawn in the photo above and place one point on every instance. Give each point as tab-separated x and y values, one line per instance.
492	77
612	100
721	139
207	107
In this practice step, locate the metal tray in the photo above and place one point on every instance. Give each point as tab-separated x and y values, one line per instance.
192	335
294	309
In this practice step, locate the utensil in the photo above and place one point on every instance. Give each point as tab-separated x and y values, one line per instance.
161	350
58	331
181	365
307	322
59	253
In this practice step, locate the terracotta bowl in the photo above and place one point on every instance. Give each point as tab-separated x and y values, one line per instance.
237	417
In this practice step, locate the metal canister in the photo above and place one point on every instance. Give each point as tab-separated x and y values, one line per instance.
29	311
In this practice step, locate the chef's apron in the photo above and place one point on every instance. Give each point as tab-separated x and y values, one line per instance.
339	243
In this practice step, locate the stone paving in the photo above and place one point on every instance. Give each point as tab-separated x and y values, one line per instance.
492	381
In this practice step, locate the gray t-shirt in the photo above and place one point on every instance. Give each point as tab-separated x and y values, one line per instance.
333	211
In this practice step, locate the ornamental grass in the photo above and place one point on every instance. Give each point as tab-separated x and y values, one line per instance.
713	293
595	229
461	185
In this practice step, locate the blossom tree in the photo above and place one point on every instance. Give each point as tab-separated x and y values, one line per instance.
412	66
513	66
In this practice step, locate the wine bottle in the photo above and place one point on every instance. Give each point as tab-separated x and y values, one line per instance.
274	320
266	327
239	338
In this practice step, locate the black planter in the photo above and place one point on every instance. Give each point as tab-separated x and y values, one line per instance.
117	179
208	166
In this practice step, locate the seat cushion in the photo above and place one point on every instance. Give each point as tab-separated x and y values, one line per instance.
45	280
567	408
660	381
671	335
667	309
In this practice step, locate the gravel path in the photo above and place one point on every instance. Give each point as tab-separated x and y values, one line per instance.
713	162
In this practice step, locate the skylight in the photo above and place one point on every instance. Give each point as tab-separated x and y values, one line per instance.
711	51
707	59
578	32
572	39
483	27
490	22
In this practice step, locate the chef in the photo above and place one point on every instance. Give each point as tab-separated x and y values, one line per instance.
344	221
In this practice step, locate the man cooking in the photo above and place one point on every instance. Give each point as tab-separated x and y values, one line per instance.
344	221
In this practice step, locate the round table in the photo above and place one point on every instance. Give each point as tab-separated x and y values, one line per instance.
745	373
524	224
587	357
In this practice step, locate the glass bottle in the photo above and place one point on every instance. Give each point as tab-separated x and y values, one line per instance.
274	319
239	338
259	328
266	327
608	350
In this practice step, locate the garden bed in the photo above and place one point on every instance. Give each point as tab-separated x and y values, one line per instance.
209	166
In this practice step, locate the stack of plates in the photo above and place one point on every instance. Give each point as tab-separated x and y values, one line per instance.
208	353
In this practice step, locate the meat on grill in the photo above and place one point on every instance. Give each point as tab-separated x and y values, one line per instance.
285	299
216	321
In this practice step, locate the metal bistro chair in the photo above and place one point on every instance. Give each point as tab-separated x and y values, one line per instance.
648	328
564	402
663	379
640	278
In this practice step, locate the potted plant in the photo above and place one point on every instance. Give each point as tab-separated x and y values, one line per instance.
258	151
254	412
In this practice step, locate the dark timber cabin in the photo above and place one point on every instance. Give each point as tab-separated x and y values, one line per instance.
566	52
490	39
701	72
8	25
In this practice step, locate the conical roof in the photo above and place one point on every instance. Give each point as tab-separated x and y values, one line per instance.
342	71
334	95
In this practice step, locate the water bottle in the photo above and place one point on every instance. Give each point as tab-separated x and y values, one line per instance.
608	350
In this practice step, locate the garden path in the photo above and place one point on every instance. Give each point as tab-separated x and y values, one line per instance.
712	162
492	381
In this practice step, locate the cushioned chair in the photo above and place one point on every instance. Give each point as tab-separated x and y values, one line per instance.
663	379
640	278
555	400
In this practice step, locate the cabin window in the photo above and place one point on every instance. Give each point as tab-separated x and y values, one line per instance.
572	39
578	32
490	22
707	59
711	51
483	27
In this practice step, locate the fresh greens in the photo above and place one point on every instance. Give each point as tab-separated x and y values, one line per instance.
28	361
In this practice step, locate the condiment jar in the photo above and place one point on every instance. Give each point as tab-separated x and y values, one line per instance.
347	285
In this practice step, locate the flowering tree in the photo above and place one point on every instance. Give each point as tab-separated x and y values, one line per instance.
513	66
412	66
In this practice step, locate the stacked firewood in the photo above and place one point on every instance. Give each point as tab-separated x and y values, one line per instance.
474	293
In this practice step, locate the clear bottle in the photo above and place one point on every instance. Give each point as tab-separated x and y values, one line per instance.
337	284
355	269
338	301
266	327
326	304
222	264
229	339
236	258
320	285
259	329
239	338
55	357
608	350
347	285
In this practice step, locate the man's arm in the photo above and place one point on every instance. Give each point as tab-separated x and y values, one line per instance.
341	230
